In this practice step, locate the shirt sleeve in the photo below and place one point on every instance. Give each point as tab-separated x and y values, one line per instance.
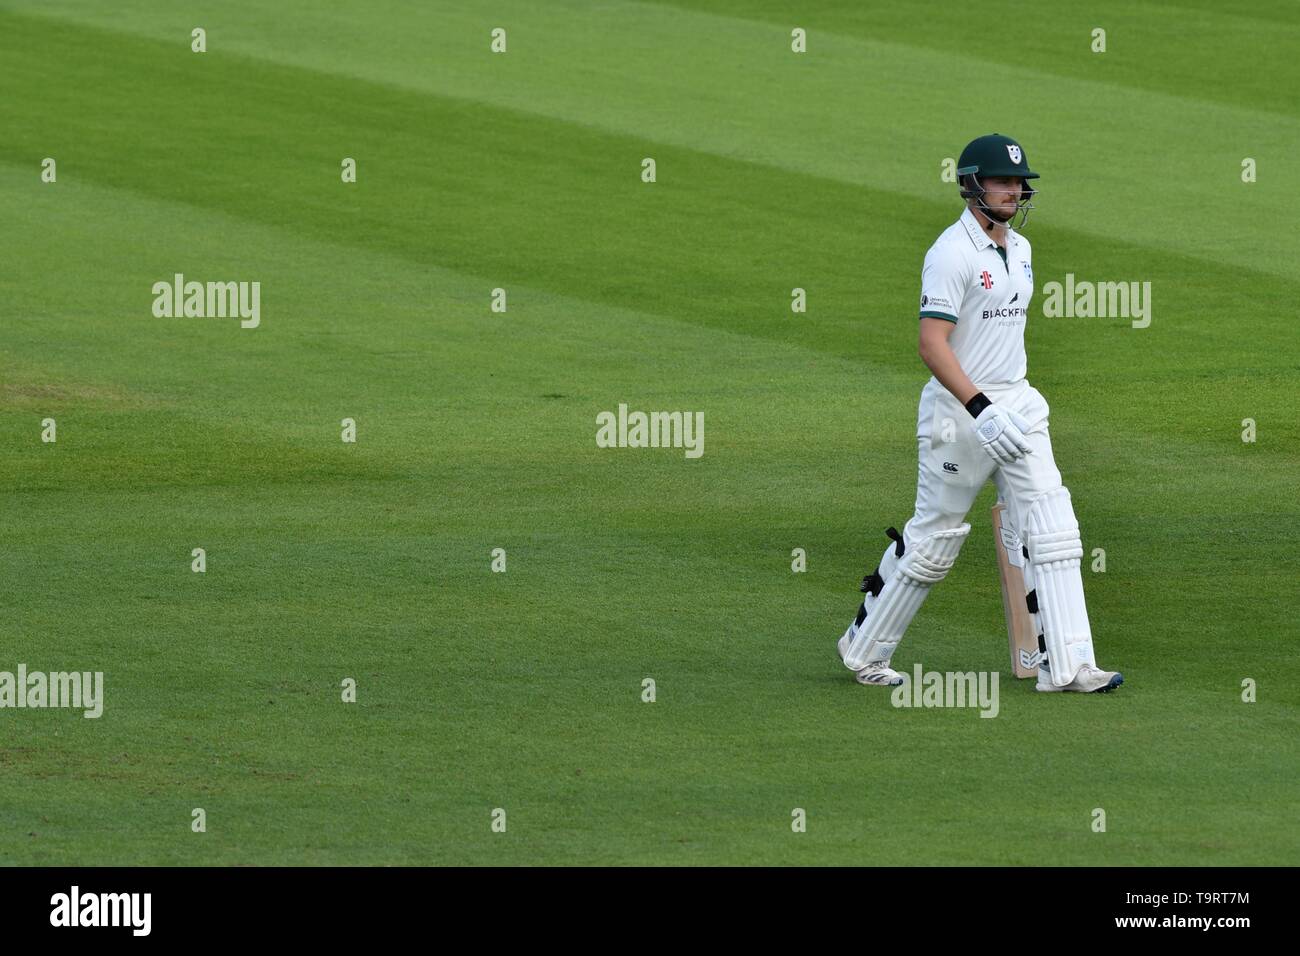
943	284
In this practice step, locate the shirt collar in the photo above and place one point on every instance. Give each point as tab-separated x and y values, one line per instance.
977	234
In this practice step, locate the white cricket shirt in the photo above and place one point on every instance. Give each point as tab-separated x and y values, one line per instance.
968	281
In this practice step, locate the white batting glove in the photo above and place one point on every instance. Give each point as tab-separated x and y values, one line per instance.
1002	433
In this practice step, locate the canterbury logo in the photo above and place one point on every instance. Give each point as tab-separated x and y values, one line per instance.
950	467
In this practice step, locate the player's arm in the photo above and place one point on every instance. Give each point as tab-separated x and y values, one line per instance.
945	277
938	355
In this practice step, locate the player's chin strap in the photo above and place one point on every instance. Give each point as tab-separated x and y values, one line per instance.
976	191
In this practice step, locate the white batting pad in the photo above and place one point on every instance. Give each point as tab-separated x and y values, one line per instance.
907	582
1056	552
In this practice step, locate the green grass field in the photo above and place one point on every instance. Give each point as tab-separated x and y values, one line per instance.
476	430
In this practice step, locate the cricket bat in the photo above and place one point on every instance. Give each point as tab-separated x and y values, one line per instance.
1021	634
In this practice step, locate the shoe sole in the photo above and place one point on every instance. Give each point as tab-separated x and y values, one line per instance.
876	683
1114	682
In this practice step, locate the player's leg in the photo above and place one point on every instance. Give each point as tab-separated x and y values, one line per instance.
892	594
951	470
1041	510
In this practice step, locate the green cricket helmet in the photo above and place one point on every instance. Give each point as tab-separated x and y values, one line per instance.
992	156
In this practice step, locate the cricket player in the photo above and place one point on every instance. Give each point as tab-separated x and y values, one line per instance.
980	418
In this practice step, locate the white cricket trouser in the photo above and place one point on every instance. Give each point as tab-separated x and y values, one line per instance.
953	466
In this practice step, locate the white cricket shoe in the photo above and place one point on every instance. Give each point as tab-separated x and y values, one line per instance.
1089	680
878	673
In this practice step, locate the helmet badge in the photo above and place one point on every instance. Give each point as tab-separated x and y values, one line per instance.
1014	152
